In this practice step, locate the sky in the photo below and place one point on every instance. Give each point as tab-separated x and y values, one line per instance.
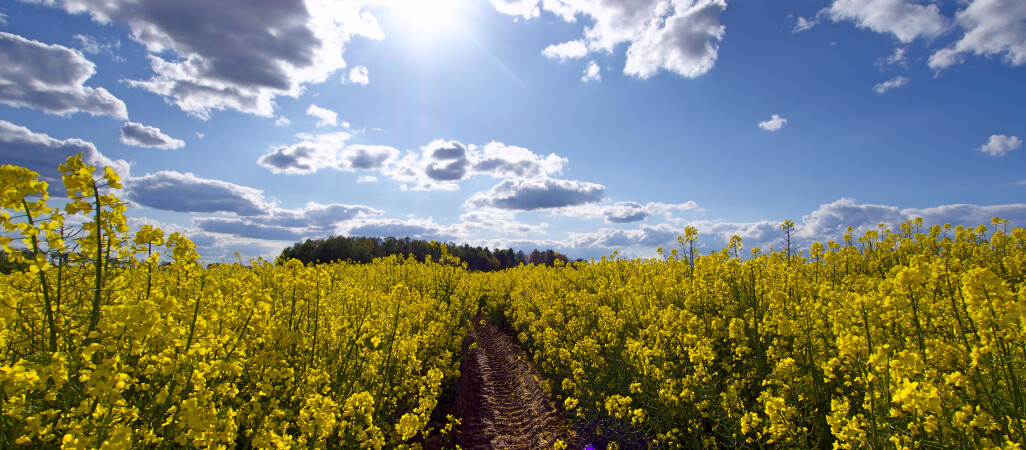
584	126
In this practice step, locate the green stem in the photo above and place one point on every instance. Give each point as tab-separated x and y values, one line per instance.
43	284
94	314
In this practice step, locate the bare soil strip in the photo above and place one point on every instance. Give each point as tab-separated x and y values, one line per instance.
502	404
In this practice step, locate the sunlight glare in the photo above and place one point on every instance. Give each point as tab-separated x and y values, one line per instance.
428	17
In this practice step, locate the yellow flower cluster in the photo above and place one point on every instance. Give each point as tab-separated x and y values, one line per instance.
902	339
115	340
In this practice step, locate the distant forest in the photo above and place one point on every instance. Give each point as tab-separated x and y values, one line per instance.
365	249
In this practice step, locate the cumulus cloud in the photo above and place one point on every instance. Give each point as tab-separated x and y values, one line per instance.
441	164
328	150
185	192
359	75
904	19
310	155
773	124
242	228
414	228
51	78
685	43
503	222
627	212
680	36
446	161
366	157
317	215
591	73
214	55
42	154
508	161
280	224
992	28
326	117
833	218
1000	145
140	135
282	121
828	222
970	215
566	50
893	83
644	236
538	193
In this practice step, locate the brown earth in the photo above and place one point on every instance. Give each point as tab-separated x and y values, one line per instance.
500	400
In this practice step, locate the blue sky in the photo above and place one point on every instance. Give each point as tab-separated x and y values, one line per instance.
580	125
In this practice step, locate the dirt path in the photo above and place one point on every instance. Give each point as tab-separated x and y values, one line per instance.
500	400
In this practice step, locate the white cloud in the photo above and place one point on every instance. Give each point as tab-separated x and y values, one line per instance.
282	121
831	219
140	135
970	215
316	215
367	179
328	150
279	224
538	193
895	82
993	28
446	161
359	75
51	78
441	164
503	222
365	157
525	8
1000	145
507	161
413	228
802	24
591	73
645	236
188	193
89	44
246	229
627	212
828	222
566	50
326	117
773	124
906	20
3	19
211	56
42	154
681	36
685	43
898	57
309	156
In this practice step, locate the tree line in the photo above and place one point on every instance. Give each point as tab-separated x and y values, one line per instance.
365	249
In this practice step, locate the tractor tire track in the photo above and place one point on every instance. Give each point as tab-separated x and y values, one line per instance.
500	399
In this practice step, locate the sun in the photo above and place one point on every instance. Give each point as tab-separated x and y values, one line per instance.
427	18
